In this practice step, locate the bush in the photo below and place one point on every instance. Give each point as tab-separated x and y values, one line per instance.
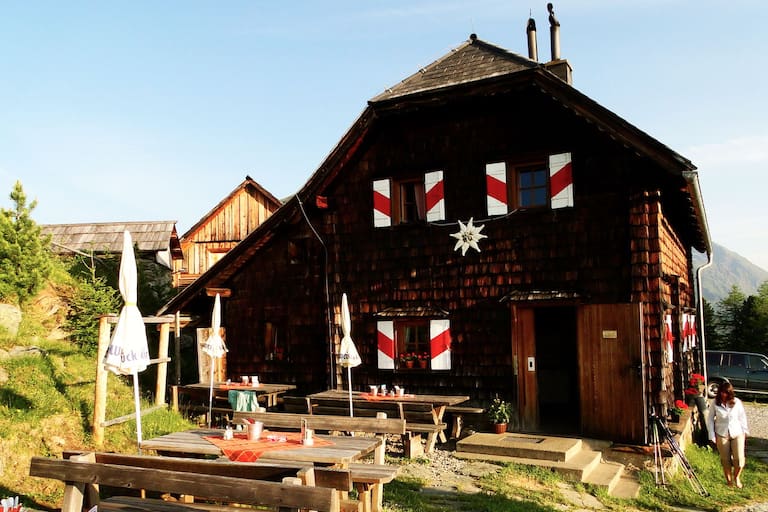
89	300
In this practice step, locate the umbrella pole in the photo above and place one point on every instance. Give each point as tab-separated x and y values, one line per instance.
349	381
210	397
138	408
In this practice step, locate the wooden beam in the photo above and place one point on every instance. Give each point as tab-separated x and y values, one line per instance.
224	292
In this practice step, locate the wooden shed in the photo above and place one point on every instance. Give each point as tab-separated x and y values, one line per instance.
486	215
158	238
228	223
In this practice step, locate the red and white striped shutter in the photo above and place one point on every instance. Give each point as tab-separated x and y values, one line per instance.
668	338
692	323
496	185
433	184
382	204
686	334
560	180
440	344
385	340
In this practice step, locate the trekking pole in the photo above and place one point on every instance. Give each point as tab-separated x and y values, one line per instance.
688	469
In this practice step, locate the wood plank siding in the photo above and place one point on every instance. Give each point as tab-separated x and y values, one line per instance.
242	211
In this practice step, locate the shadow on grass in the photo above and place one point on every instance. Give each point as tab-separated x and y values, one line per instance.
407	496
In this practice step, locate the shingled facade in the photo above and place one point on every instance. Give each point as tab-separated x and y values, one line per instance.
590	226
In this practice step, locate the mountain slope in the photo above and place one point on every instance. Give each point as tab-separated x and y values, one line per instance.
728	269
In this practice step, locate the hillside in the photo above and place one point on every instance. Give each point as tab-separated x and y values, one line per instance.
728	269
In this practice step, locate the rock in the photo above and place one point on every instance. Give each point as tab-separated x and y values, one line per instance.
10	318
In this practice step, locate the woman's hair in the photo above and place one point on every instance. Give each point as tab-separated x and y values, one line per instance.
726	388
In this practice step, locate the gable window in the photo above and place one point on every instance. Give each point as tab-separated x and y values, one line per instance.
405	201
531	186
512	185
409	201
418	343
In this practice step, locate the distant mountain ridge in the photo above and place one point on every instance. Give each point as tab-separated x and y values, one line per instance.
728	268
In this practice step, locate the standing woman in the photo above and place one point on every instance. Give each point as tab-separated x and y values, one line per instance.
727	425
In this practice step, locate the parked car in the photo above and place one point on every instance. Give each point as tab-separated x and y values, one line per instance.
747	371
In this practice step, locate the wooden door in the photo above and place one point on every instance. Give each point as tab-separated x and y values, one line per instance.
612	373
524	349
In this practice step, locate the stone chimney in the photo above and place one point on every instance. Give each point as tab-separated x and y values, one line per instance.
559	67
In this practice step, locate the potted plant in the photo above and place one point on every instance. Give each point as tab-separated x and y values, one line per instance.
677	410
423	360
500	413
695	388
407	359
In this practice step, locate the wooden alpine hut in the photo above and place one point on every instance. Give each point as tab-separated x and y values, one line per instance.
487	217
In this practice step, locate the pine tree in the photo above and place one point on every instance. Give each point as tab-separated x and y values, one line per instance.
25	258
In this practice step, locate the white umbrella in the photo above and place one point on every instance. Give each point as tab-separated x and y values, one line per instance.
214	346
128	353
348	352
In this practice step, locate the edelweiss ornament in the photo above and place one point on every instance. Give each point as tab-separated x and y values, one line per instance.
468	236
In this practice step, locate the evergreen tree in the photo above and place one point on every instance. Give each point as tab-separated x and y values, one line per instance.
728	318
711	335
25	258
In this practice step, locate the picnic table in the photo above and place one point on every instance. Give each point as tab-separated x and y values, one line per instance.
423	413
337	451
225	393
329	451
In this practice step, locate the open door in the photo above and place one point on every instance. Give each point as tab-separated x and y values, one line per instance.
612	373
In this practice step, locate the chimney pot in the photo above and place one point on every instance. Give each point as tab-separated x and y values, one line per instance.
554	32
533	52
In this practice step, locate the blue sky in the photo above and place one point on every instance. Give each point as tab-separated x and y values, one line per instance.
157	110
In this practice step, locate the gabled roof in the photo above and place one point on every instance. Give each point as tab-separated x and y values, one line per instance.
107	237
473	60
478	64
247	183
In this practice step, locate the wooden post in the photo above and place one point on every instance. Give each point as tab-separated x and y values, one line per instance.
100	402
162	368
177	346
289	480
74	493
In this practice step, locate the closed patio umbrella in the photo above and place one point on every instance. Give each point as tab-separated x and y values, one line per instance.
128	353
348	355
214	346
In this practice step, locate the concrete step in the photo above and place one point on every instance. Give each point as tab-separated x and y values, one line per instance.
576	460
525	446
575	469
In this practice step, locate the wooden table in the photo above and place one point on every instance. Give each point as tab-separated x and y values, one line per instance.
341	453
201	390
438	403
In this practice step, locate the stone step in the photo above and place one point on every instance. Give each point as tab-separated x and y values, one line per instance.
525	446
606	474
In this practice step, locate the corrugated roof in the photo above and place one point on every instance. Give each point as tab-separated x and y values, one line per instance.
473	60
107	237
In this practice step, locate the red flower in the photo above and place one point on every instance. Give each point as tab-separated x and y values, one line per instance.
691	391
679	404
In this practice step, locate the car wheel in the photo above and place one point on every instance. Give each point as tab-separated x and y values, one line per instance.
712	388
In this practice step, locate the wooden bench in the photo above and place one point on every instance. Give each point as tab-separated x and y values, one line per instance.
249	484
458	414
420	418
367	479
296	404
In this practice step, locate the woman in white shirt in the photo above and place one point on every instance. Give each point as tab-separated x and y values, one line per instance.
727	426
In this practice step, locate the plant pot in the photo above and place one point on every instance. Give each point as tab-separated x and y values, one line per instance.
423	363
409	364
499	428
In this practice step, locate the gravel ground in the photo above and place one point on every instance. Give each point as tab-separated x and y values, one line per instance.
757	417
